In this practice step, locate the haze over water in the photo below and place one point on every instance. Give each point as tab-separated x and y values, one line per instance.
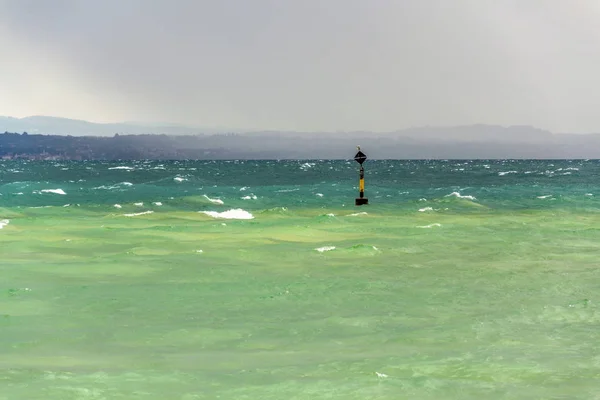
262	280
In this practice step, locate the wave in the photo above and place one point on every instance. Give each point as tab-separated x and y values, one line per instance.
136	214
460	196
112	187
358	214
325	248
214	201
55	191
430	225
236	213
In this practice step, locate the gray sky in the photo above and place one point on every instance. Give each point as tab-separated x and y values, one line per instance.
304	64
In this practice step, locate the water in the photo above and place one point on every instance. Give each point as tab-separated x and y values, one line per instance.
461	280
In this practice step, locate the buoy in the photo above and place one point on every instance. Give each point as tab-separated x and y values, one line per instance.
360	158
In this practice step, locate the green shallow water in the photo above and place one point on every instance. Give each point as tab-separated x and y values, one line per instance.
493	297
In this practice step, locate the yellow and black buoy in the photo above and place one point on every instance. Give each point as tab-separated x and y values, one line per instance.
360	158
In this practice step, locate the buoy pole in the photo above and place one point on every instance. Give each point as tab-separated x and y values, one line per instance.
360	158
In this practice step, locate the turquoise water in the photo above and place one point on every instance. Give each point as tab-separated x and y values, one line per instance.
262	280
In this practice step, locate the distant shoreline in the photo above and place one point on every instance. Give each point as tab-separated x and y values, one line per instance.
273	146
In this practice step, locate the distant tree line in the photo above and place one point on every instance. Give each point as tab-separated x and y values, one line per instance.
118	147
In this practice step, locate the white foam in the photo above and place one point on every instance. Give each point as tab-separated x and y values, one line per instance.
244	188
425	209
357	214
319	194
544	197
325	248
589	194
157	203
214	201
179	179
126	183
122	167
140	213
460	196
236	213
380	375
429	226
55	191
3	223
506	173
138	204
117	206
250	197
330	215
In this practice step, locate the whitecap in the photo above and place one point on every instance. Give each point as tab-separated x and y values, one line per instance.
243	188
250	197
55	191
4	222
287	190
319	194
157	203
126	183
460	196
138	204
199	251
117	206
425	209
122	167
325	248
506	173
357	214
429	226
214	201
544	197
140	213
589	194
236	213
179	179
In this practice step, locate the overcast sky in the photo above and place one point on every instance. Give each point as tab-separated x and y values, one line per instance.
314	65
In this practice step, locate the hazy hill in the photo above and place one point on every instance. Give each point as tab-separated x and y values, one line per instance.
74	127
